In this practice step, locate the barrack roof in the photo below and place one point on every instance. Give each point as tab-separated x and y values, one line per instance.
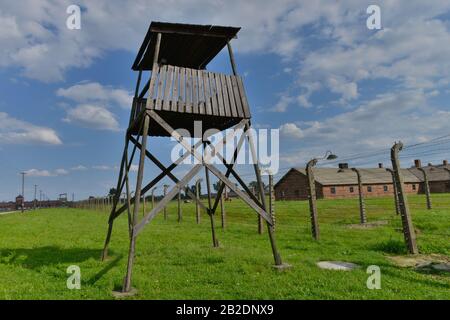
336	176
184	45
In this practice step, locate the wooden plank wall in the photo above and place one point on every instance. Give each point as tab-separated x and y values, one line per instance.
186	90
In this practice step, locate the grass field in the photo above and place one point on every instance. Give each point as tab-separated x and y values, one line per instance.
176	260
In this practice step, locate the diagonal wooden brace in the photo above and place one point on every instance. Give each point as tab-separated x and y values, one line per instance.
170	195
154	181
210	167
170	174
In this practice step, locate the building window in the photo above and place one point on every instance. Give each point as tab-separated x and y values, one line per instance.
333	190
369	189
352	190
297	193
385	188
414	187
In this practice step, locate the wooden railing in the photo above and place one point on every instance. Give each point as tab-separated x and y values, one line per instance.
195	91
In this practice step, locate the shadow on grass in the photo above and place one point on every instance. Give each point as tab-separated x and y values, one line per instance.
105	270
404	276
34	258
391	246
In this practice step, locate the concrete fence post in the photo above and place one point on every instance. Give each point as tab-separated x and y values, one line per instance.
426	187
408	227
272	200
362	205
312	199
394	184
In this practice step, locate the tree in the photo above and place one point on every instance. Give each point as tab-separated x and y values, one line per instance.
112	192
254	184
216	185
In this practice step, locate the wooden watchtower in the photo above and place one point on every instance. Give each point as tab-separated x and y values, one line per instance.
180	91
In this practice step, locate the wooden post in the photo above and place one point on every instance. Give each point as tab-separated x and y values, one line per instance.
276	254
426	187
312	199
362	205
260	218
165	207
397	205
153	197
408	227
137	197
272	200
197	195
179	207
143	204
230	53
222	212
210	213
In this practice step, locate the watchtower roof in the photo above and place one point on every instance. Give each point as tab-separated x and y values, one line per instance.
184	45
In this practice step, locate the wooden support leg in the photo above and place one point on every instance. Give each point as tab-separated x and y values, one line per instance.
210	213
115	201
128	195
137	197
222	212
276	254
179	207
165	208
107	240
197	207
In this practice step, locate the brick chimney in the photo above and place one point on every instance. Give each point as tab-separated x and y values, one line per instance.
380	165
343	165
417	163
445	162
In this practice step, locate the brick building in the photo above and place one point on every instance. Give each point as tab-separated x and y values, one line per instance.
334	183
438	176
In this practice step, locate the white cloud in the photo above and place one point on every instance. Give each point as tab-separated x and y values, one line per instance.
39	43
78	168
101	167
134	167
61	172
290	130
38	173
90	92
14	131
91	116
283	104
395	53
373	125
46	173
37	40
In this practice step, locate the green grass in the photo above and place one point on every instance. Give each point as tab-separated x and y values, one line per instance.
176	260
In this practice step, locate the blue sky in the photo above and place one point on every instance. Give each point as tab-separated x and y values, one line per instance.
311	68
